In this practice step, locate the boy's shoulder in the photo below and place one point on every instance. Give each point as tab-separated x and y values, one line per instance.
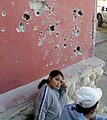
70	106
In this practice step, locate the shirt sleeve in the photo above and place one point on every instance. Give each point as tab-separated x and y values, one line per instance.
62	91
41	104
98	117
62	97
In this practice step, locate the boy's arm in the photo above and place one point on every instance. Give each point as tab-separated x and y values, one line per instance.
62	90
41	104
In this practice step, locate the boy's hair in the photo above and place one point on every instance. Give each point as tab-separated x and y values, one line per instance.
85	111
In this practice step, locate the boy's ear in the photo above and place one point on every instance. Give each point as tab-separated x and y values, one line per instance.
92	111
49	78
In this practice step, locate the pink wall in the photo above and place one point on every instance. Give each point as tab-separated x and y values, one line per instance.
31	45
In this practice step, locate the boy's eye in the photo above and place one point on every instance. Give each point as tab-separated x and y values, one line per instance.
57	79
60	81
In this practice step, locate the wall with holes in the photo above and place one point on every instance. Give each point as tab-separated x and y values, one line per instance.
38	36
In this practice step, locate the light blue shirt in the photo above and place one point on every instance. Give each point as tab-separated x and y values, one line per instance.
49	103
69	113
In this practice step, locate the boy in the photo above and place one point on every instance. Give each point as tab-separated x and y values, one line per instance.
85	103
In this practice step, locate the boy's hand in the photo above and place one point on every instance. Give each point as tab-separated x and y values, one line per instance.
63	85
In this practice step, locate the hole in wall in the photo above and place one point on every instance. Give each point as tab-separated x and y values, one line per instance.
21	24
26	16
27	10
65	39
56	23
80	13
57	34
65	46
52	9
4	14
38	13
2	29
56	47
54	1
41	33
52	28
27	22
77	51
74	11
78	48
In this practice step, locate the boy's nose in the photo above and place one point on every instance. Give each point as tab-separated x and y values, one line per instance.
59	83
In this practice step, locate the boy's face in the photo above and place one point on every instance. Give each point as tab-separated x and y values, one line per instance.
55	82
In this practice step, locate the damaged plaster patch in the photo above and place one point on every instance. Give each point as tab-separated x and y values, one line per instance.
49	64
35	28
12	3
21	27
76	31
38	7
77	12
57	22
43	22
51	41
46	54
41	40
